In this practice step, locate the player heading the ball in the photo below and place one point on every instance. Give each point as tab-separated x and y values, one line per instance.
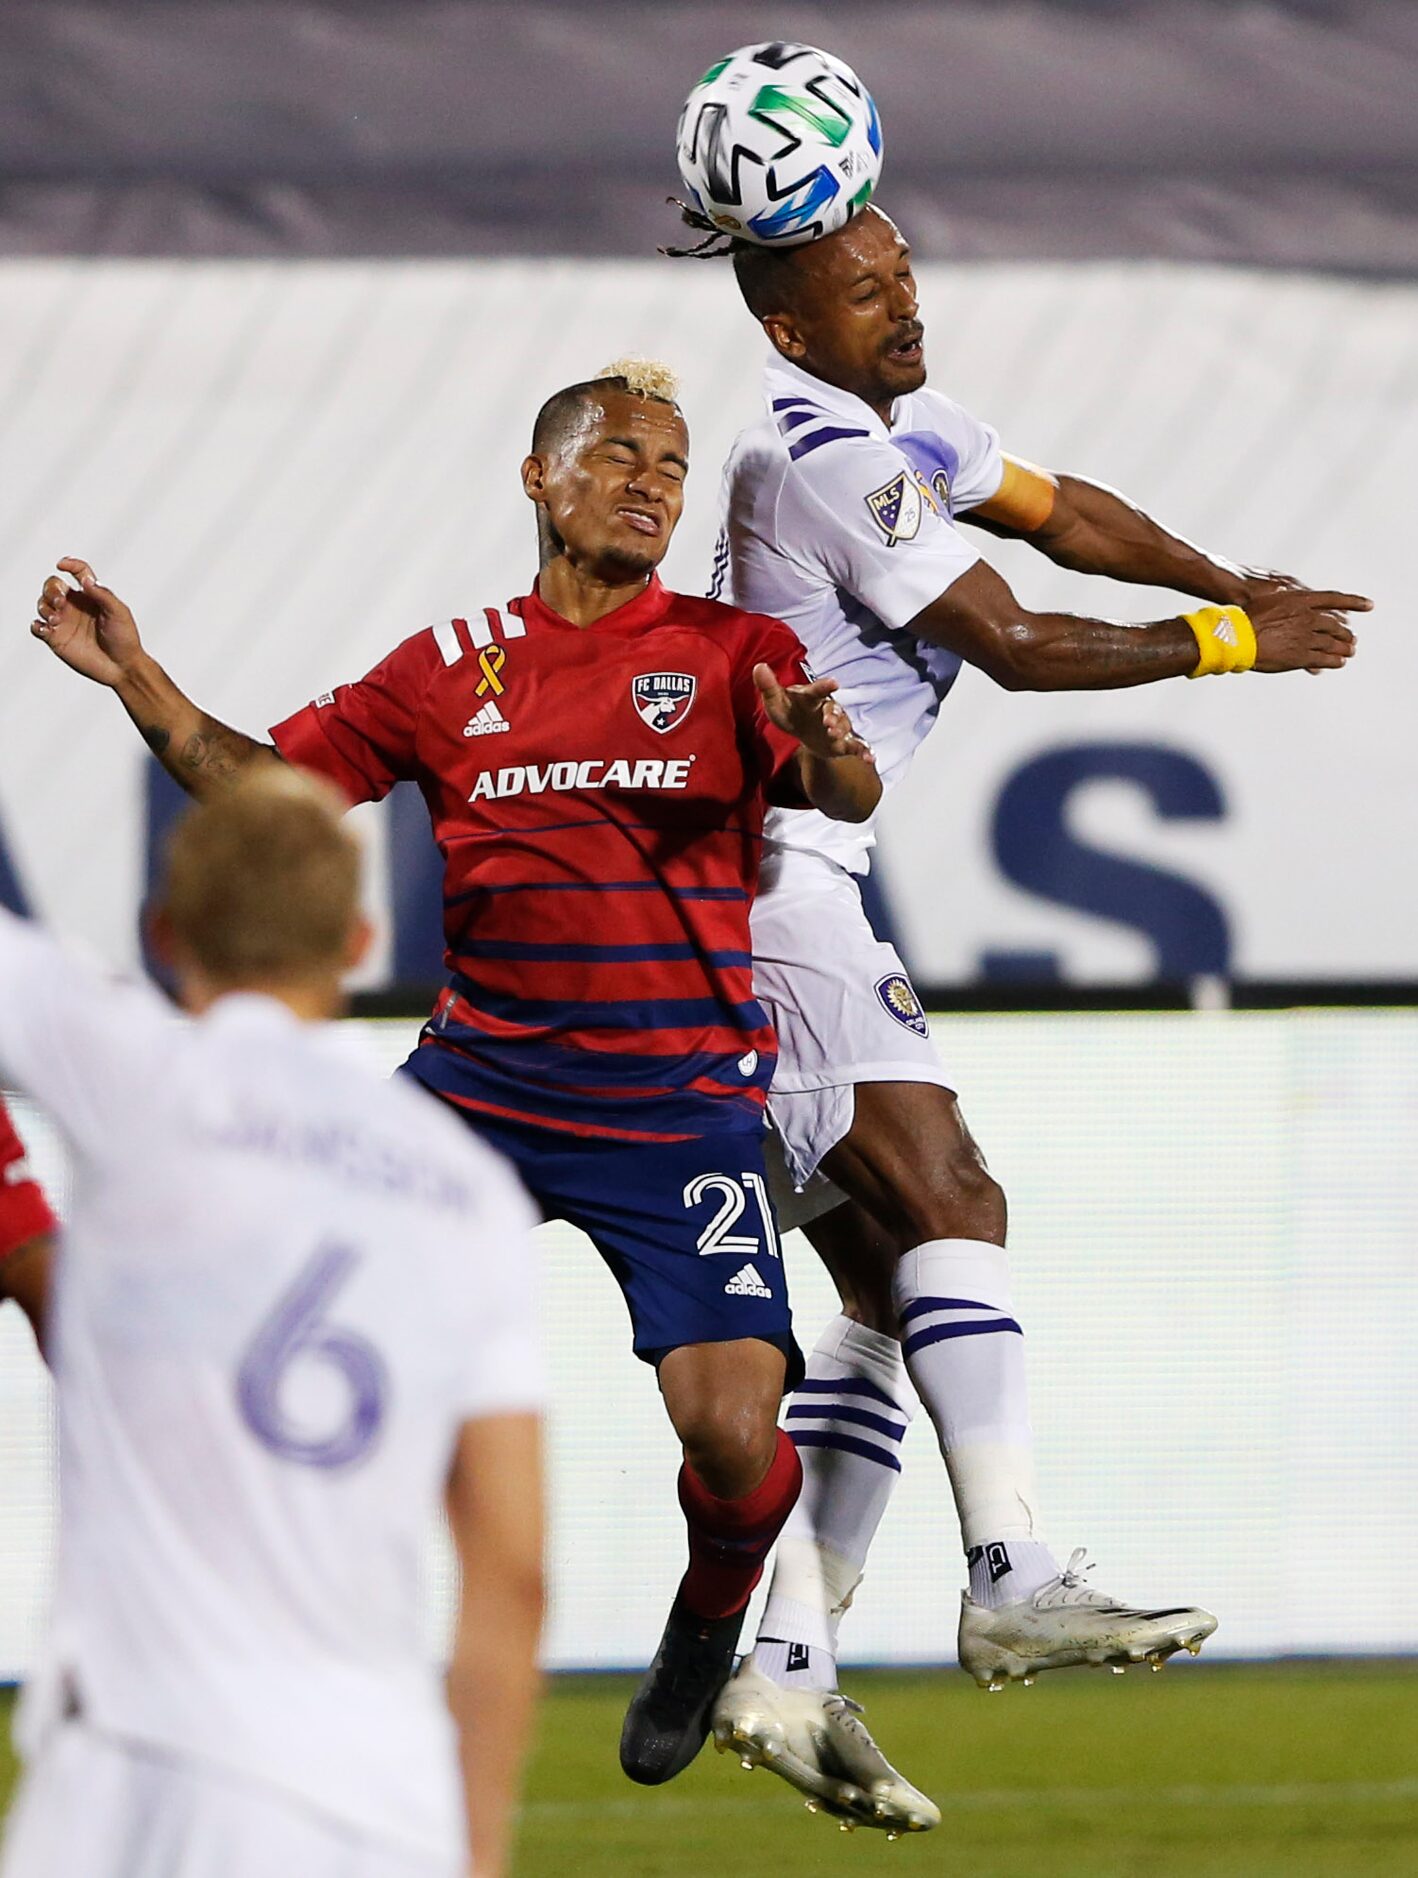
843	514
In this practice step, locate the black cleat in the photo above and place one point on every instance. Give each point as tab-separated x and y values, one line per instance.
667	1722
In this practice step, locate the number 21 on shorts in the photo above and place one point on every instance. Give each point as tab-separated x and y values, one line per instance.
727	1193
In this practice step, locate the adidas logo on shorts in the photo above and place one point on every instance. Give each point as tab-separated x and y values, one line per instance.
746	1283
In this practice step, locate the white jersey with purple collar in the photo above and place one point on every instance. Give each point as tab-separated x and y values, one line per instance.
843	527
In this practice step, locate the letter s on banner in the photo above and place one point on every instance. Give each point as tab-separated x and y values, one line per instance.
1034	849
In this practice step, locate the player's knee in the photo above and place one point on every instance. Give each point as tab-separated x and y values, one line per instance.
730	1445
955	1197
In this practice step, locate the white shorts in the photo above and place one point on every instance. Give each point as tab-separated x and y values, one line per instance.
840	1000
93	1807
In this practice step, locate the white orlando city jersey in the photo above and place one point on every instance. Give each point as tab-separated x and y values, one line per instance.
842	527
284	1285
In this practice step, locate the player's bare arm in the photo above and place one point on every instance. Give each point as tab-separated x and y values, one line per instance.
495	1514
979	618
1093	529
94	633
845	310
837	769
25	1280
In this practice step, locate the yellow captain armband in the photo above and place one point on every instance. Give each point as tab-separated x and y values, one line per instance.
1225	640
1025	498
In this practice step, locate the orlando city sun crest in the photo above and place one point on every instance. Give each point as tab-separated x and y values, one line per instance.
898	999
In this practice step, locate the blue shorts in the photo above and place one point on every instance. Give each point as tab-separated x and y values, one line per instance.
687	1228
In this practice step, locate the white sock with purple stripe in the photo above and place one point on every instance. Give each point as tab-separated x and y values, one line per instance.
846	1418
965	1353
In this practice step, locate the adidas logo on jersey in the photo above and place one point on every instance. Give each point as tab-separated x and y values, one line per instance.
488	721
746	1283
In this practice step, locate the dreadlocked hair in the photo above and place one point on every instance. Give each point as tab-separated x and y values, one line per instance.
766	276
717	242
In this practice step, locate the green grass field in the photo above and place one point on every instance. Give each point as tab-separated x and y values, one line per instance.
1252	1772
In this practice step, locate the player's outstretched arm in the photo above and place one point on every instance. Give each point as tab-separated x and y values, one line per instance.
495	1512
1092	529
838	770
91	630
1286	630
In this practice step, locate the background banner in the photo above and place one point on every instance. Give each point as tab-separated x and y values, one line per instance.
286	467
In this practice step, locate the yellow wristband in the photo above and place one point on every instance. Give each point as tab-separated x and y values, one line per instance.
1225	640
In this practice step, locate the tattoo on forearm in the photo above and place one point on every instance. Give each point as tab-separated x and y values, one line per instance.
156	738
1096	655
215	753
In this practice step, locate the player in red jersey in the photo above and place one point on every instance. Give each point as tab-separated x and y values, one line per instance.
597	756
27	1229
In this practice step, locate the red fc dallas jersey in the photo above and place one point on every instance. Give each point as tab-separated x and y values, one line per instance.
24	1211
598	795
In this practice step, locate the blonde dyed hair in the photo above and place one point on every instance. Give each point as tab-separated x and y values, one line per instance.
261	883
647	378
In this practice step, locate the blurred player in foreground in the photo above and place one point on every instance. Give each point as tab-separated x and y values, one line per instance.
27	1229
840	509
293	1317
596	756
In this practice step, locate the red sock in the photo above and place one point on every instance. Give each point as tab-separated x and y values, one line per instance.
730	1539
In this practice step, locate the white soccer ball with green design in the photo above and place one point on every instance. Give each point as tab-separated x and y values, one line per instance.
779	144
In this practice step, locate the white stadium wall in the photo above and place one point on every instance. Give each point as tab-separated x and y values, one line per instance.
289	466
1214	1218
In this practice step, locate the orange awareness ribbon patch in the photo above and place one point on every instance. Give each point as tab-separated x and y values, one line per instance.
490	662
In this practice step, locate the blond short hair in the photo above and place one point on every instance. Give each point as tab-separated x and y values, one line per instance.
643	378
647	378
261	883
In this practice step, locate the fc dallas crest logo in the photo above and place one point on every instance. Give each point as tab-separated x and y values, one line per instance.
662	699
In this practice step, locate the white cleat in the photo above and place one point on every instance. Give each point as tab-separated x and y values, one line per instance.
817	1742
1066	1622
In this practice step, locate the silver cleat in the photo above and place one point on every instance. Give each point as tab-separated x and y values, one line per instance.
1067	1623
817	1742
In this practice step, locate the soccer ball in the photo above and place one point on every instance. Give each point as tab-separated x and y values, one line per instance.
779	144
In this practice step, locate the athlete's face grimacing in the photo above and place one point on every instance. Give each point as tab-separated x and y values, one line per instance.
855	320
613	486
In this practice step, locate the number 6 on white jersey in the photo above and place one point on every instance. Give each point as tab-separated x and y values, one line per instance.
296	1331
